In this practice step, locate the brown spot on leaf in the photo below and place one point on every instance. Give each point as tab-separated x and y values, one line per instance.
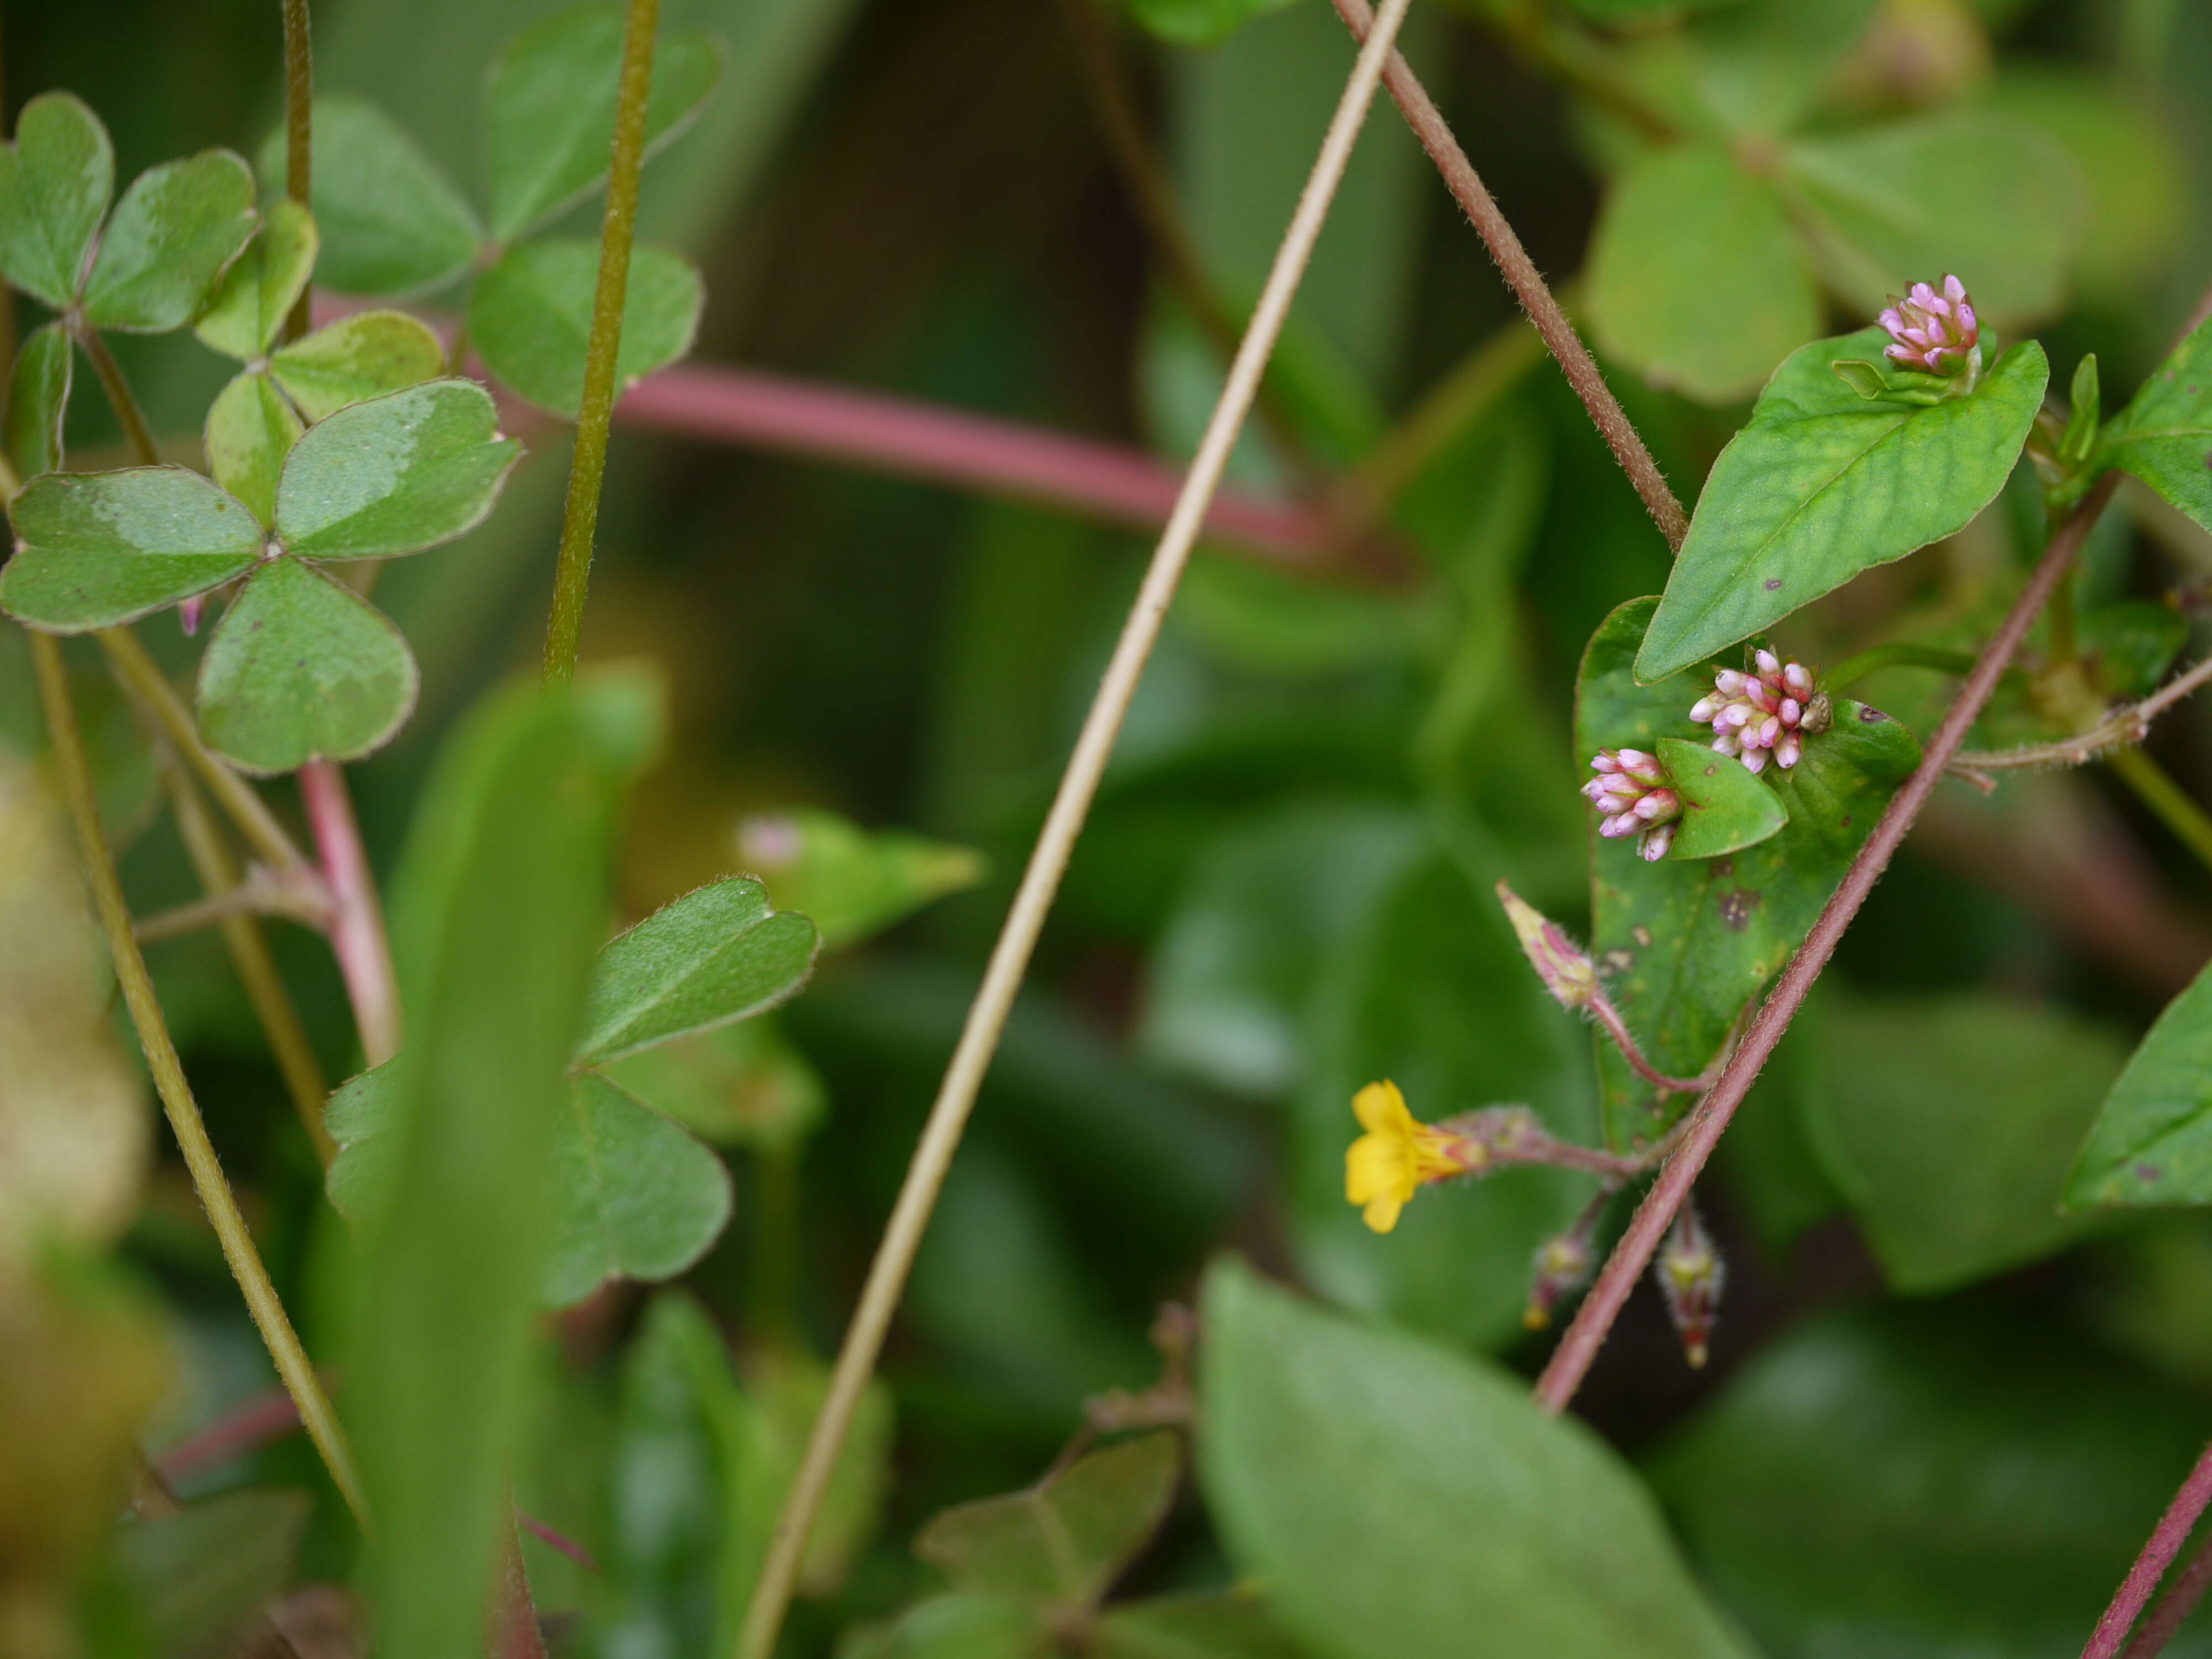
1870	716
1723	866
2148	1172
1774	585
1618	962
1642	936
1736	906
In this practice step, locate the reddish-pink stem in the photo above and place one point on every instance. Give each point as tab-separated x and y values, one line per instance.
2164	1622
357	916
947	446
2166	1541
1570	1361
268	1416
518	1636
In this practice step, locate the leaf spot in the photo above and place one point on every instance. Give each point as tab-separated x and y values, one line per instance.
1774	584
1736	906
1619	962
1643	937
1868	716
2148	1172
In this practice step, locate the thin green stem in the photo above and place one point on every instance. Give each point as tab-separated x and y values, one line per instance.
292	1365
299	137
1849	671
256	968
2154	786
588	470
1464	396
135	433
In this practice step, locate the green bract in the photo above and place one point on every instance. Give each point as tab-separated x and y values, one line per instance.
393	226
632	1194
1725	808
299	666
1824	483
1683	945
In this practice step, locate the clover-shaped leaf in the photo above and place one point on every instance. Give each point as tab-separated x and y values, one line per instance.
99	549
394	474
302	668
714	956
1824	483
250	430
38	401
355	359
174	233
530	318
391	223
550	109
258	292
55	183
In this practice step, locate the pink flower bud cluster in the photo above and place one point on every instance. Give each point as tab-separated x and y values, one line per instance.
1760	714
1936	333
1630	790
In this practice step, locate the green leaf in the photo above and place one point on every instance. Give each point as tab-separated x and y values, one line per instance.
1395	1497
1268	905
632	1195
549	108
499	898
1065	1541
390	224
1685	944
395	474
198	1575
1753	70
956	1627
1198	22
250	306
249	431
1725	808
2164	436
852	881
1925	1484
714	956
1188	1626
355	359
38	402
1394	1001
787	1388
1696	280
736	1085
97	549
2084	409
302	668
55	182
530	316
169	240
1991	199
2151	1140
1822	484
1951	1123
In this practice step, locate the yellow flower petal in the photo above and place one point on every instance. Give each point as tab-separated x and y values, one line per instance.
1381	1215
1382	1110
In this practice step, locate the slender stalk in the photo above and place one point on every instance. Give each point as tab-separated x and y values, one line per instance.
135	433
580	519
2154	786
1571	1360
357	936
1527	285
299	137
917	440
292	1365
2158	1553
1625	1040
257	968
143	678
2175	1607
987	1016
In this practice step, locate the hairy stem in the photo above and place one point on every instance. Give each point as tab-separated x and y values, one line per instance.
580	520
137	434
1572	1361
142	677
2129	725
1625	1040
257	968
1527	285
2175	1607
357	937
293	1366
2158	1553
298	137
987	1016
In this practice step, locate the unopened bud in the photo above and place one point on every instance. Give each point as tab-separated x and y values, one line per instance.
1629	793
1690	1273
188	612
1936	334
1564	1266
1764	714
1563	965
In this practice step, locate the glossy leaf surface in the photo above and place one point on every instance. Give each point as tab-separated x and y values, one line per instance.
2151	1140
395	474
172	236
530	316
1823	483
1395	1496
302	668
96	549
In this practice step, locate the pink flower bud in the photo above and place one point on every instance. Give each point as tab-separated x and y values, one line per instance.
1563	965
1767	662
1798	679
1936	333
1755	760
190	612
1630	795
1653	845
1758	711
1788	751
1564	1266
1704	709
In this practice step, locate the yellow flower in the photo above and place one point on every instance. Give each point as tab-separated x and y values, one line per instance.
1385	1167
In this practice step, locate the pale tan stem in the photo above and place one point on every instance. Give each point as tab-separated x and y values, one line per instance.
979	1038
